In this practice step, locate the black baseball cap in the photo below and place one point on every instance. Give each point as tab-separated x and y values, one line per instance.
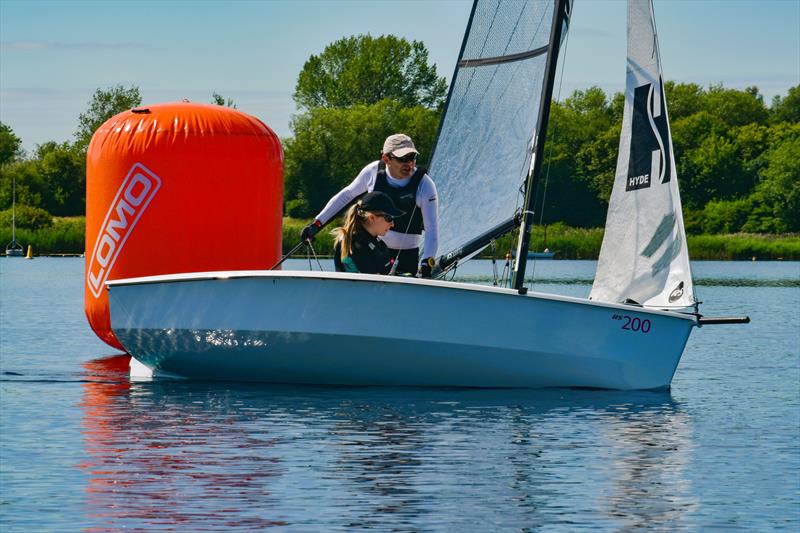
378	202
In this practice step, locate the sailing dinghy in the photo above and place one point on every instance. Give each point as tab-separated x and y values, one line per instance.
358	329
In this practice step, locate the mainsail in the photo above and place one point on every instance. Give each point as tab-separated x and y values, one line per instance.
644	256
483	154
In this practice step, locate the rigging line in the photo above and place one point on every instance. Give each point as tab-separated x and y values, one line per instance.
556	36
494	263
555	133
397	257
453	274
655	53
550	149
314	253
507	271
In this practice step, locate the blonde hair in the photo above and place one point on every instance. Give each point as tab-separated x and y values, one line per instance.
353	220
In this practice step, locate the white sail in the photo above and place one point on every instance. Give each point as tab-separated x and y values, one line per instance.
644	256
483	151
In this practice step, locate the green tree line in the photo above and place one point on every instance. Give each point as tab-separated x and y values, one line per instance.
738	159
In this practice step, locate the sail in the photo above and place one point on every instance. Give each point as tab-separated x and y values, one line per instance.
483	152
644	256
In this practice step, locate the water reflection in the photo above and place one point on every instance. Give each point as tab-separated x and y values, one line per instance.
206	456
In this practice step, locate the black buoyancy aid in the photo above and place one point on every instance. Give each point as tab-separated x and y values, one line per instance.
368	255
405	198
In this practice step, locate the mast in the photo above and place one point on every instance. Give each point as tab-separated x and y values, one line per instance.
560	17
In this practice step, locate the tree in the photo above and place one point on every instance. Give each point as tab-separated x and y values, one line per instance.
31	188
683	99
63	169
104	105
26	217
54	179
787	109
10	144
355	93
331	146
580	158
366	70
218	99
779	188
735	107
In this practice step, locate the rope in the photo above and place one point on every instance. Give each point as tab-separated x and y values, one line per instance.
494	263
397	257
507	270
314	253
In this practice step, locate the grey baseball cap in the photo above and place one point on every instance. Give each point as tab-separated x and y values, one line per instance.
399	145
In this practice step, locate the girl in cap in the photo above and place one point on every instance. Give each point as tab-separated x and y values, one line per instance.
357	247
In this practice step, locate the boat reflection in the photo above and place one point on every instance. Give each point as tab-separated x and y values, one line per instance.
207	456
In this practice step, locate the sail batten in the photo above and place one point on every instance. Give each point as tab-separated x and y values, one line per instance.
644	256
464	63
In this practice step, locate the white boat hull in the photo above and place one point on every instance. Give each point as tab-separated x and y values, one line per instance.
354	329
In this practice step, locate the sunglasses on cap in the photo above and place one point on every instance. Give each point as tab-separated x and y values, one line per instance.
408	158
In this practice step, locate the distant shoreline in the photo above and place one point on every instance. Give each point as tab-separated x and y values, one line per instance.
66	238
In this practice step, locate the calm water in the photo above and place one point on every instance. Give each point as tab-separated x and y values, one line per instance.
82	448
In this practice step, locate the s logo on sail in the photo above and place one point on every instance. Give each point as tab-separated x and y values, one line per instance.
649	157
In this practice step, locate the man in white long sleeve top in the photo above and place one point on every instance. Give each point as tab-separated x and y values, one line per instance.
412	190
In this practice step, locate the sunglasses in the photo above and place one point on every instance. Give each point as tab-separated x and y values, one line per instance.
388	218
408	158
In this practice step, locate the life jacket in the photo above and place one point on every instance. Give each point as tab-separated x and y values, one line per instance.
369	255
405	198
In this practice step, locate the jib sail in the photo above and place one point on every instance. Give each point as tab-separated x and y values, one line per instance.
644	256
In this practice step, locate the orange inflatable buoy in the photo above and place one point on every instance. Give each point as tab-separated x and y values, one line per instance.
179	187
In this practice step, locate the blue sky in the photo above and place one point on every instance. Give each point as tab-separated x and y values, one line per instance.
53	55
